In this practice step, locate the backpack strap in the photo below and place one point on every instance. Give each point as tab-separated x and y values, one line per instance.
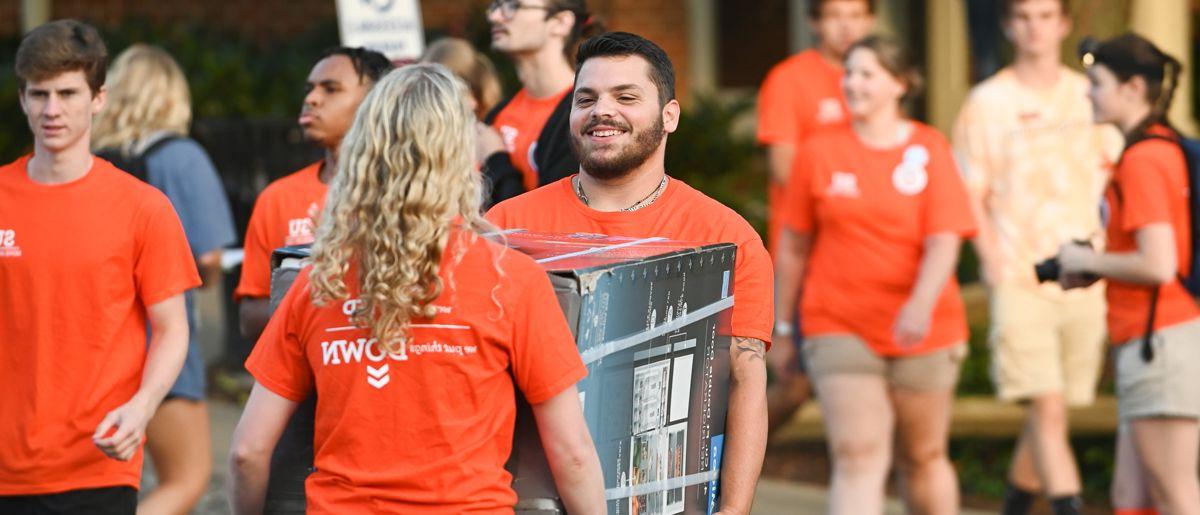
135	164
1147	340
1147	349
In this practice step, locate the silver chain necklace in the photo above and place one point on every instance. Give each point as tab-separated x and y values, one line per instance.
662	186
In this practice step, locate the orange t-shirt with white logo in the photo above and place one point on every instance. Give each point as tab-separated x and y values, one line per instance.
520	124
79	263
800	96
682	214
429	427
869	211
284	214
1149	186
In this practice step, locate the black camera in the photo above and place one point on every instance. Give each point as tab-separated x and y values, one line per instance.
1049	269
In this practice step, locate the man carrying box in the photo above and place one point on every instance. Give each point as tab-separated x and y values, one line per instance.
88	256
623	108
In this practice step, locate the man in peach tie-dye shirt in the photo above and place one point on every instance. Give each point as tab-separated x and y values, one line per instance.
1036	166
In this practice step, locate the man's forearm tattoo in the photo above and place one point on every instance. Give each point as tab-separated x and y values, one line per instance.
755	348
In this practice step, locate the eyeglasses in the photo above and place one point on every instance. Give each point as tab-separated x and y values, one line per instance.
509	8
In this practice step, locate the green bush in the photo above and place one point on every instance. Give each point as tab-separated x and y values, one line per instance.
708	154
229	75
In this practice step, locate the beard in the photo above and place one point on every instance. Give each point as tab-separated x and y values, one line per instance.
645	142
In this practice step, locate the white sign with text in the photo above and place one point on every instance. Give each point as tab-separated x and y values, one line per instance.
392	27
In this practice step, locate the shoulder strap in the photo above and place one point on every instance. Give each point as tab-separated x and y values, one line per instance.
1147	340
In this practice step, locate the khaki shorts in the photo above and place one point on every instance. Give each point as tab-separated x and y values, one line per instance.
848	354
1043	345
1168	385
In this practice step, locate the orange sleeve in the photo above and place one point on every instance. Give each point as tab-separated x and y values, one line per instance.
947	208
545	360
1144	189
278	361
753	290
798	211
778	101
497	215
165	266
256	265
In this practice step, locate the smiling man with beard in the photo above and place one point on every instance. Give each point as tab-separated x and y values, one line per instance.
622	111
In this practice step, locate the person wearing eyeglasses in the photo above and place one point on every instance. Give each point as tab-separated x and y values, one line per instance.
527	144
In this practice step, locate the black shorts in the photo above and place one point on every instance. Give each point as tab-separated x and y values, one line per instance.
112	500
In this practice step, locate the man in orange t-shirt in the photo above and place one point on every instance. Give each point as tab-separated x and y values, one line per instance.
528	146
624	107
88	256
801	96
285	211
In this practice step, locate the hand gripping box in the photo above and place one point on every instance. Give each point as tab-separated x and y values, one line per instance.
650	318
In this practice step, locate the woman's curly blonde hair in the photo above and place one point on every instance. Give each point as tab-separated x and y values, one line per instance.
405	178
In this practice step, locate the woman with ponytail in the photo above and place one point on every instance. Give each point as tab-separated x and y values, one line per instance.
414	330
1152	319
528	145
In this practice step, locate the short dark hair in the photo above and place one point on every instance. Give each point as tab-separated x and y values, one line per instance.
623	44
368	64
1006	7
586	24
62	46
815	7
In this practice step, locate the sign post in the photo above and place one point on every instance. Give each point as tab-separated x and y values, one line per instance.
392	27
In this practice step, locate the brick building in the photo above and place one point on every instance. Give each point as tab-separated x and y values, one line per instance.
717	45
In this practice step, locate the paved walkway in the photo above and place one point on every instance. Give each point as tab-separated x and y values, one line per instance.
773	497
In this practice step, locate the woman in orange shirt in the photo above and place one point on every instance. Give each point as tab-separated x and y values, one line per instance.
414	331
1153	321
877	214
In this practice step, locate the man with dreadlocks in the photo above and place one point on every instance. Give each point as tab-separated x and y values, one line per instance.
285	211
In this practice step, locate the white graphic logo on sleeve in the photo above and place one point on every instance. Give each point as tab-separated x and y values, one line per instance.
8	243
843	184
910	176
829	111
354	350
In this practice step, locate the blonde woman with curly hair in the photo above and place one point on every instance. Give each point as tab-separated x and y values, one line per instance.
143	130
414	330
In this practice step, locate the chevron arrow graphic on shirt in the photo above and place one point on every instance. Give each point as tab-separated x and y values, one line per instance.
378	377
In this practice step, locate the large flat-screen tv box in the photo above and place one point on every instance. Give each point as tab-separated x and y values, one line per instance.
651	320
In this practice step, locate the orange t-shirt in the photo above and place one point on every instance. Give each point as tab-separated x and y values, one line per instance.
426	429
681	214
870	211
1149	186
284	214
79	263
520	124
800	96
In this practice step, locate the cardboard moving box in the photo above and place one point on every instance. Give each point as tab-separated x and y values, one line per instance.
650	318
